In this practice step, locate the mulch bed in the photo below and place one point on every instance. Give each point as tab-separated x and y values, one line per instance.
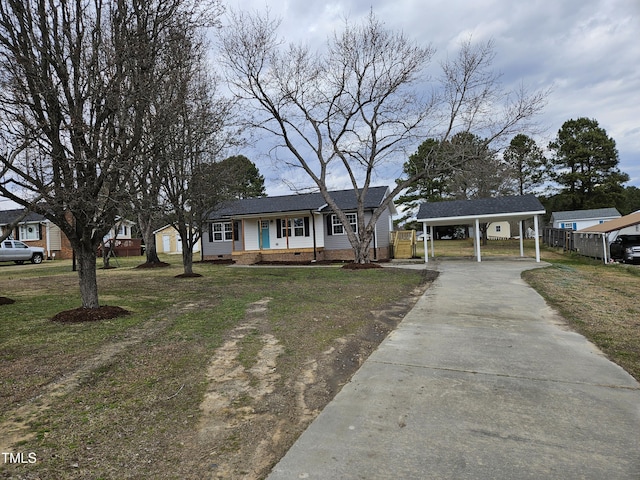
6	301
188	275
79	315
154	265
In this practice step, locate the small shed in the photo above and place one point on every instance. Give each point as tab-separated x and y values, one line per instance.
483	210
168	240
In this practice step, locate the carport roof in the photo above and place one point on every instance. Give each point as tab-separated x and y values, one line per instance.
613	225
464	212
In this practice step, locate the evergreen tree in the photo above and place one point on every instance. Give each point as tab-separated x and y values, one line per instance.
527	163
585	165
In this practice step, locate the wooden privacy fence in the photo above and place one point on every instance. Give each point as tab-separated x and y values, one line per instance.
594	245
558	237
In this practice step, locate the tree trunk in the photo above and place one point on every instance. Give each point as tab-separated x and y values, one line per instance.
149	239
86	259
187	258
151	252
362	249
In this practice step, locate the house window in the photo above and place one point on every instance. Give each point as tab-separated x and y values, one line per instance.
222	232
29	232
498	227
285	228
336	225
298	227
122	230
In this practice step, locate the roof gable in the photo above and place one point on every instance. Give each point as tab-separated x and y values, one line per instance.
346	200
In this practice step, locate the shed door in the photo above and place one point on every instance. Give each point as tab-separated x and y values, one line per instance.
166	243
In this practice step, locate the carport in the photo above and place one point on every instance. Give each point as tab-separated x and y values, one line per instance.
483	210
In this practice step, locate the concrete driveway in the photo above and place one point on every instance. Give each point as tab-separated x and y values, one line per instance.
481	380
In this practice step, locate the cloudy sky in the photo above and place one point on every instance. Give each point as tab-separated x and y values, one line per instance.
585	50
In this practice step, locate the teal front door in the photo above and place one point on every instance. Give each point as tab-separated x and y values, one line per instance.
264	234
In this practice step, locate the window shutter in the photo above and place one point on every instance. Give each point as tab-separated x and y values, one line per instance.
306	226
39	231
17	233
278	228
329	225
210	232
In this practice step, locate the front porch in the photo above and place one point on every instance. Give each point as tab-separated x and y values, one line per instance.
301	255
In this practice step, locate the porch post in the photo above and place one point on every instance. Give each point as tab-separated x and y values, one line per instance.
477	235
433	242
425	242
521	238
535	228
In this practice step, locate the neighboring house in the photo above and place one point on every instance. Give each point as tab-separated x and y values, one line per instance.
300	228
168	240
122	230
35	230
579	219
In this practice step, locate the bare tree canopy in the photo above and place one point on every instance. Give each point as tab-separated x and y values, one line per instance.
348	110
75	83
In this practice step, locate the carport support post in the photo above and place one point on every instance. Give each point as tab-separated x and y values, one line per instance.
426	243
477	233
535	227
521	239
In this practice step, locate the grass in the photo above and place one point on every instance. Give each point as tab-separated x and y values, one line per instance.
599	301
137	408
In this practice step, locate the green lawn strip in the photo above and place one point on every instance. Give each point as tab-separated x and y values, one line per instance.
599	301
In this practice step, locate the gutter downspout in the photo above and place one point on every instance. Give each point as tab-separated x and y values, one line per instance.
47	232
313	226
375	239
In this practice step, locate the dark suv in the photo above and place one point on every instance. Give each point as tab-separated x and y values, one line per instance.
626	248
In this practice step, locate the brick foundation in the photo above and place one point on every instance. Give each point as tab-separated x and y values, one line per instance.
293	255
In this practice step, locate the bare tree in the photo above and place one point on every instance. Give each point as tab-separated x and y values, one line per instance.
193	134
352	108
74	83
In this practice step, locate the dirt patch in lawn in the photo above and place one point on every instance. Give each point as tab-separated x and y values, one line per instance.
251	415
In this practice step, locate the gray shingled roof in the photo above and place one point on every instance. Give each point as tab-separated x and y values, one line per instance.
520	206
8	216
346	200
598	213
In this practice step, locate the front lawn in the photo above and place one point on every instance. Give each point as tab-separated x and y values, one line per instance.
201	373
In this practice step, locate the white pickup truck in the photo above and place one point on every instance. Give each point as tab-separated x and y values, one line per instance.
15	251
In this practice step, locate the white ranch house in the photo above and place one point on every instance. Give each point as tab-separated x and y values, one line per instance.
293	228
